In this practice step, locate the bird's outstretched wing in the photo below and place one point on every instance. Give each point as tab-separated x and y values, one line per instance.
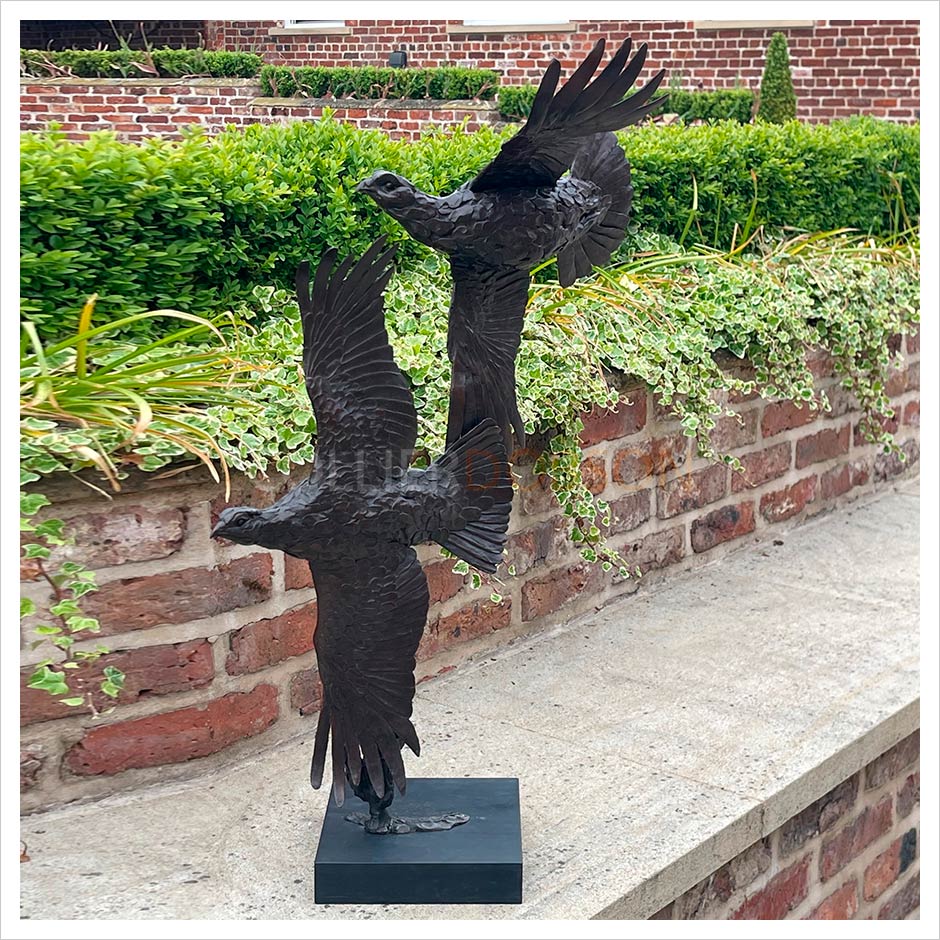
363	405
546	146
370	617
483	333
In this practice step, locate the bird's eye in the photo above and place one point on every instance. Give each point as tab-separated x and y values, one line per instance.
240	519
389	183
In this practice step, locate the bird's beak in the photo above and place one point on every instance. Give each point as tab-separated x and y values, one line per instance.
217	530
362	186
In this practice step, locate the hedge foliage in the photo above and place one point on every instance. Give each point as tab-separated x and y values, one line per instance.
196	224
733	104
130	63
281	81
777	97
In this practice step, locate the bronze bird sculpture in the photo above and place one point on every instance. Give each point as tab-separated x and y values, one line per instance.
519	211
356	518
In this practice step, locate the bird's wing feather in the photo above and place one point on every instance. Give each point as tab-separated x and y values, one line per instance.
483	335
363	405
370	617
545	147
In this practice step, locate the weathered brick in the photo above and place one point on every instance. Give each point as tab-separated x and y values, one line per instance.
780	416
535	493
734	431
853	838
180	596
912	414
839	480
824	445
691	491
788	502
905	901
174	736
913	343
909	795
779	896
892	762
761	466
721	525
32	759
542	596
443	583
705	900
545	542
656	550
892	465
296	573
819	816
150	670
883	871
840	905
629	512
649	458
890	425
609	424
896	382
474	620
594	474
266	642
123	534
306	691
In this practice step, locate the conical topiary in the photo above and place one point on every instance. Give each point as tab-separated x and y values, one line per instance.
777	98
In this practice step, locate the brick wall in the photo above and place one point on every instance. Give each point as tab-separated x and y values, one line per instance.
216	639
88	34
853	854
840	67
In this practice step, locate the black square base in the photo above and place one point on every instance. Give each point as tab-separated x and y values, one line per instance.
479	862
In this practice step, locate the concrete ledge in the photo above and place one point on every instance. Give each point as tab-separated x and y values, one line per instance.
655	740
377	104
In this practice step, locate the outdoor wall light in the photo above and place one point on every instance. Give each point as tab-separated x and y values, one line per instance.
398	59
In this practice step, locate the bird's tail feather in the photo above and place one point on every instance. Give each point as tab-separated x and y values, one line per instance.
600	161
487	392
478	460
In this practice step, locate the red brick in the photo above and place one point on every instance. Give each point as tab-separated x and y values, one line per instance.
885	423
150	670
546	541
474	620
761	466
31	763
535	493
909	795
779	896
721	525
594	474
788	502
656	550
542	596
819	816
905	901
883	871
648	458
852	839
913	343
692	491
839	480
629	512
442	582
296	573
783	416
123	534
180	596
824	445
734	431
175	736
306	691
912	414
913	377
706	900
271	641
897	382
890	465
840	905
608	424
892	762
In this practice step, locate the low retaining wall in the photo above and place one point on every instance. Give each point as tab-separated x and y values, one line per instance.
852	854
135	109
216	640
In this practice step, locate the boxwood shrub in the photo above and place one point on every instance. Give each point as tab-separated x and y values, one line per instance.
130	63
196	224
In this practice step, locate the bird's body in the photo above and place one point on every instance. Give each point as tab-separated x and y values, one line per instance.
518	212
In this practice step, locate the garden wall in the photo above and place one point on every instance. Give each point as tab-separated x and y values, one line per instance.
852	854
216	640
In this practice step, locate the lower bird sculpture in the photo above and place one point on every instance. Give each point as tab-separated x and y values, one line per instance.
519	211
355	520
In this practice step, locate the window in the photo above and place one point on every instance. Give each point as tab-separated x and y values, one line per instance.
298	24
513	21
530	24
311	27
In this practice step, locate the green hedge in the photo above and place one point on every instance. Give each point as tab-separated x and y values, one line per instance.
129	63
197	224
281	81
735	104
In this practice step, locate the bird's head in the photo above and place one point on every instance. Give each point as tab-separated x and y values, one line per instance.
389	190
240	524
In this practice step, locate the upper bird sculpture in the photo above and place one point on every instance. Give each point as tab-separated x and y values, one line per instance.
519	211
355	520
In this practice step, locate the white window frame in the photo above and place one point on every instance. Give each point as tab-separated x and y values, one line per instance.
306	24
311	28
